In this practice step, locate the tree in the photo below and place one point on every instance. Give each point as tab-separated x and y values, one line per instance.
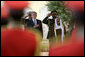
63	12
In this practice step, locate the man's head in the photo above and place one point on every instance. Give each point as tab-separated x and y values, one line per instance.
34	15
54	14
58	21
16	9
30	16
4	16
16	15
77	8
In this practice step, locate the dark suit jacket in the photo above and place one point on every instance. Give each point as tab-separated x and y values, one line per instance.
50	23
30	23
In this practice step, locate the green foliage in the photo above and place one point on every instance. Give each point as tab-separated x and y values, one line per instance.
63	12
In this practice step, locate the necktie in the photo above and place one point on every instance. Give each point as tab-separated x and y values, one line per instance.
34	22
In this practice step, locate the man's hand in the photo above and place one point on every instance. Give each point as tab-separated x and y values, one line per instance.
49	15
36	26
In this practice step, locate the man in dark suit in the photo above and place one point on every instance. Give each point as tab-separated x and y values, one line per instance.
50	23
56	26
32	22
28	21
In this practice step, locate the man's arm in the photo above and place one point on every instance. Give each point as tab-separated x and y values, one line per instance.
46	19
28	23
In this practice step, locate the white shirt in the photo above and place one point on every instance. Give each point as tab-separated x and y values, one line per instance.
59	27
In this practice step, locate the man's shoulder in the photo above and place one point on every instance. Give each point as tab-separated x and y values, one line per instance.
38	20
28	19
50	19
